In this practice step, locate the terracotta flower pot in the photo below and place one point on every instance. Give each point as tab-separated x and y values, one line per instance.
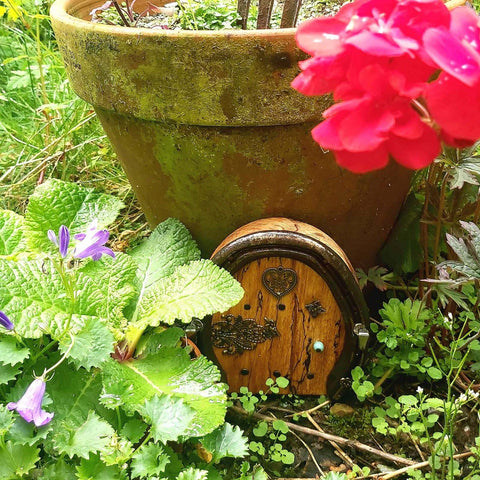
209	131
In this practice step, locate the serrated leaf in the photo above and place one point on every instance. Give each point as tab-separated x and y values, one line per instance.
29	296
7	373
10	352
56	203
169	246
60	470
226	441
169	417
17	460
134	430
94	469
194	290
193	474
6	420
32	294
171	372
12	239
80	440
149	460
74	393
23	433
106	288
92	344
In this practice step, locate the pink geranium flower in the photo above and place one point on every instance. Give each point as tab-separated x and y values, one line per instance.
405	75
376	122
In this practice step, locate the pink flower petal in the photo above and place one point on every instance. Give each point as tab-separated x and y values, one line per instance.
326	134
416	153
450	54
465	26
363	162
455	107
365	128
321	36
374	44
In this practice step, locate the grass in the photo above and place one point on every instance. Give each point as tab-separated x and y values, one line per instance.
46	131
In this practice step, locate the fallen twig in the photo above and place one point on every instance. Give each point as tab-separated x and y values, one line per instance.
335	445
334	438
416	467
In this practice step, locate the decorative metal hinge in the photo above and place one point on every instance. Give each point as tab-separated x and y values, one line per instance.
279	281
235	334
362	333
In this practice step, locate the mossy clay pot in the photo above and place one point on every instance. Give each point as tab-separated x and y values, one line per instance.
209	131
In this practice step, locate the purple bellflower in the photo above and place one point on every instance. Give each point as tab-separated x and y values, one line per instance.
92	243
30	405
62	241
5	322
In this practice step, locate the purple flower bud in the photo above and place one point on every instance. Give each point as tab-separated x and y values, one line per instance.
92	244
63	239
30	405
5	322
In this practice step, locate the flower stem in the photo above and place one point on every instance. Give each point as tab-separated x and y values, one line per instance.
64	356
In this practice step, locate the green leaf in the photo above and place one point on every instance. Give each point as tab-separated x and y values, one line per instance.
282	382
17	460
89	437
12	240
92	344
403	252
408	400
149	459
59	471
8	373
194	290
280	425
225	441
106	288
74	393
171	372
56	203
435	373
134	430
169	246
193	474
169	417
33	295
10	352
94	469
23	433
6	420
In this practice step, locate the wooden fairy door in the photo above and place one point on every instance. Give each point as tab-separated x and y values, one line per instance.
297	317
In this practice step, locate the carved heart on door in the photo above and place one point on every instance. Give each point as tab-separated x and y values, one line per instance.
279	281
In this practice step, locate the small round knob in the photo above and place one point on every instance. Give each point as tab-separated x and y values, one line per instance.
318	346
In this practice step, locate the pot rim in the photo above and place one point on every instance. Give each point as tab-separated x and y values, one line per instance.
61	11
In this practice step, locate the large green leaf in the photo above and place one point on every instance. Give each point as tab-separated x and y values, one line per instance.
225	441
12	240
149	460
91	436
56	203
171	372
106	287
194	290
17	460
32	295
92	344
10	352
169	417
169	246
